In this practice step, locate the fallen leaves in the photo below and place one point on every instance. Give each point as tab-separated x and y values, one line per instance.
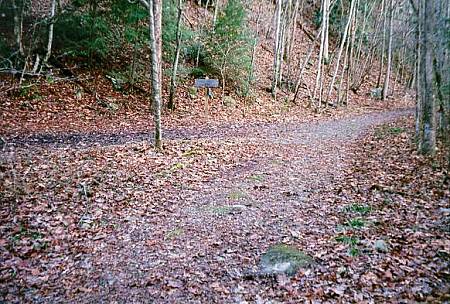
172	225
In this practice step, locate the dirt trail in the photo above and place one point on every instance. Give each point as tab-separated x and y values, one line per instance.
199	248
255	130
215	234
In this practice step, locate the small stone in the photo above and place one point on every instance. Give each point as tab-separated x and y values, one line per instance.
341	270
381	246
112	106
446	211
239	207
229	101
192	92
376	93
295	234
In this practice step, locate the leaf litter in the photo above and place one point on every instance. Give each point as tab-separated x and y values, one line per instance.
125	223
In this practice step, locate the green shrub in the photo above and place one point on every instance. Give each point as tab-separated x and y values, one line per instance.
358	208
229	46
356	223
169	30
97	32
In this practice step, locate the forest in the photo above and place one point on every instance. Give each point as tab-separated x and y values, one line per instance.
224	151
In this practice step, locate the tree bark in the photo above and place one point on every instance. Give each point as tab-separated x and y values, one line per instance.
157	13
418	113
255	44
303	66
383	12
341	48
389	52
216	10
173	85
276	63
326	12
155	47
427	143
292	40
319	78
50	32
18	26
283	38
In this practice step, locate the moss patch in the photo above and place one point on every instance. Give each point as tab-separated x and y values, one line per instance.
284	259
237	195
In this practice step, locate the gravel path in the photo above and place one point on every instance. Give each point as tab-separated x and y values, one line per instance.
257	131
214	235
198	248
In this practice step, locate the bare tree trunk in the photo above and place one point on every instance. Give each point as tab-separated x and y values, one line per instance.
351	51
427	143
444	65
270	24
383	12
344	70
418	113
155	48
389	52
440	62
341	48
157	13
276	63
216	10
303	66
50	32
362	55
319	80
326	12
283	39
18	26
133	60
93	16
173	85
292	41
255	44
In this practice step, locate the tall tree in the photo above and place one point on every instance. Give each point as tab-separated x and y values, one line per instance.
18	9
341	48
216	11
291	42
173	84
277	48
383	41
50	31
326	13
427	128
319	77
389	51
154	11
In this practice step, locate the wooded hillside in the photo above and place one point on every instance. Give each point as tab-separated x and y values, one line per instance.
316	53
224	151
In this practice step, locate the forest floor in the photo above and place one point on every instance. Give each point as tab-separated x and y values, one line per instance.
97	217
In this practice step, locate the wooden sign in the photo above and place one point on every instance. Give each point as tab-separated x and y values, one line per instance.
206	83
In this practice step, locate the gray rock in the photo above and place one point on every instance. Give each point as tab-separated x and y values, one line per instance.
376	93
229	101
283	259
445	211
381	246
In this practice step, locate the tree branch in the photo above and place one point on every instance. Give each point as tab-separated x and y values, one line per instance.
145	3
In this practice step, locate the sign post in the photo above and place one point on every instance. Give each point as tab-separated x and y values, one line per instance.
208	84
